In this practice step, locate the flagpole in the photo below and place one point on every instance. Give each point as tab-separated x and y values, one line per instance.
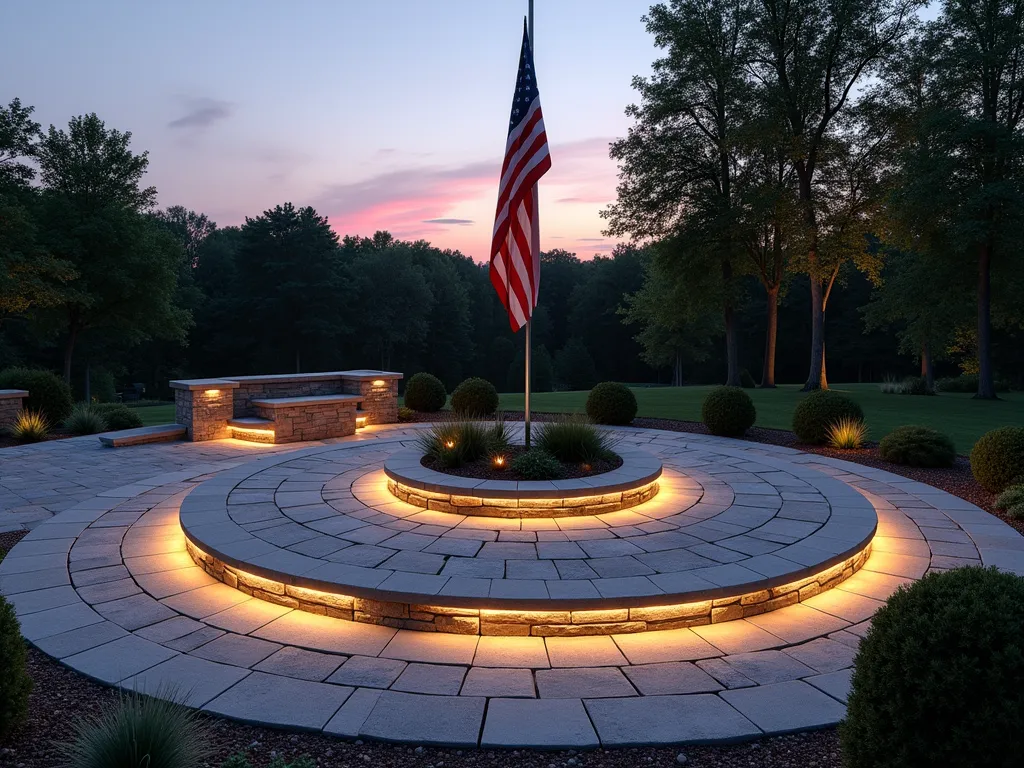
536	223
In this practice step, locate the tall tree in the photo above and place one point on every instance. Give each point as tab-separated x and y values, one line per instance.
293	280
30	276
965	171
810	56
93	215
677	165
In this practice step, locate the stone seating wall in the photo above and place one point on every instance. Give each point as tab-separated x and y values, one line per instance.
10	405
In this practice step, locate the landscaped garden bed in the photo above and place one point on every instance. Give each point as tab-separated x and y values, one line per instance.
486	468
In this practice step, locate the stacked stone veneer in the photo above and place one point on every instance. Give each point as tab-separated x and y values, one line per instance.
462	504
206	416
525	623
10	405
309	420
203	406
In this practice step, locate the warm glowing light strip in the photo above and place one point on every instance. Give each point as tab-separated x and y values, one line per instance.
566	622
464	503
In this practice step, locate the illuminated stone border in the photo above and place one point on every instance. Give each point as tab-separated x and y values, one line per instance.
629	485
563	620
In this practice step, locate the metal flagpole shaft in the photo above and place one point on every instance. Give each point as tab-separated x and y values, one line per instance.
529	322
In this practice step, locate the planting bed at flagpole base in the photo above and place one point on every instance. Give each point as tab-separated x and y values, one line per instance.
324	531
634	482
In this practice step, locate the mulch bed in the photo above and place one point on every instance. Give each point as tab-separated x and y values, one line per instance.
60	695
6	441
484	468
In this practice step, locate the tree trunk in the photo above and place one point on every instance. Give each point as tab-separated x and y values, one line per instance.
816	374
986	377
677	371
927	368
69	349
298	365
732	356
770	339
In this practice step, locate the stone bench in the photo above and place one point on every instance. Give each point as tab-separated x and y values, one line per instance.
10	405
280	408
162	433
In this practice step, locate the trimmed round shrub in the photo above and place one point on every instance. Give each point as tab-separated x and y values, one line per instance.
611	403
746	380
938	677
537	464
819	410
406	414
425	393
918	447
728	412
118	416
15	683
47	392
997	459
475	397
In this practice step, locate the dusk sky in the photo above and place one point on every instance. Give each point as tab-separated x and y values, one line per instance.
382	115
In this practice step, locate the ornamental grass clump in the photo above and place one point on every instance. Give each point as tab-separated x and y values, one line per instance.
141	731
938	677
573	439
29	427
456	442
85	420
846	434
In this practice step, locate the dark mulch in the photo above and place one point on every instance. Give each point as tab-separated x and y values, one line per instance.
485	469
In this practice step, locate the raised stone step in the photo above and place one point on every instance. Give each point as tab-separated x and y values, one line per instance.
251	422
161	433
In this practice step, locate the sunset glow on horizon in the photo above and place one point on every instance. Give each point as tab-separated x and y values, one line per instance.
391	117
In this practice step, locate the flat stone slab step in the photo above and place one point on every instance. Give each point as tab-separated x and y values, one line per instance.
296	402
161	433
250	422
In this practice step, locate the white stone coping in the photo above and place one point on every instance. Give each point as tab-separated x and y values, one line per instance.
297	402
639	468
233	382
195	384
12	394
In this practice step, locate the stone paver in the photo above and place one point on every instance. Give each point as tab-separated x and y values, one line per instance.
126	605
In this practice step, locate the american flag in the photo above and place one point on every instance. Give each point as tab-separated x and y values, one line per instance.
515	244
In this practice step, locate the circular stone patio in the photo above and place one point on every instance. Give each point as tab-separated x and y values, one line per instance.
104	583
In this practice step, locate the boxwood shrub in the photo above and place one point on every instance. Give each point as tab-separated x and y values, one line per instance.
425	392
611	403
15	683
118	416
48	394
537	464
475	397
728	412
938	677
997	459
819	410
918	446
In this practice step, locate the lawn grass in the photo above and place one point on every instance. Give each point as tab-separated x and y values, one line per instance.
959	416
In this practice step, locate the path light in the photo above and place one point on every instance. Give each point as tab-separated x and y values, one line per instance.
499	462
449	444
